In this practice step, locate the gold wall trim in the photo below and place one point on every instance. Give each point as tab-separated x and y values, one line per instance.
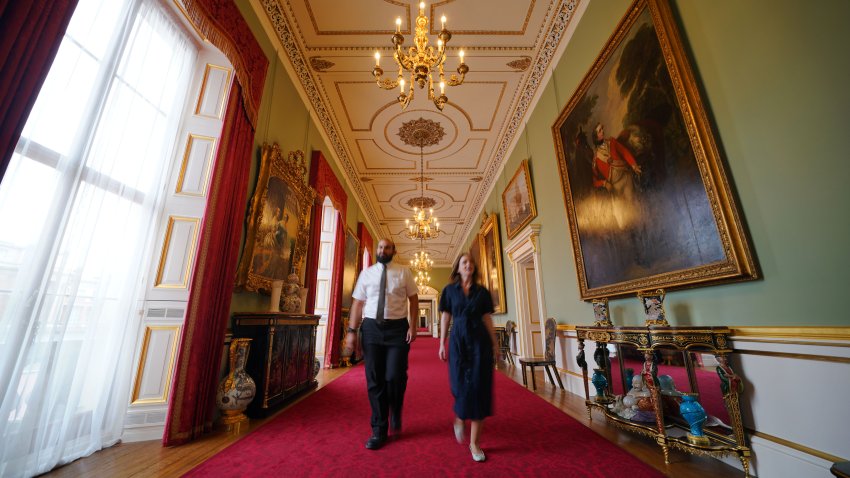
144	355
570	372
812	333
817	343
795	446
820	358
768	334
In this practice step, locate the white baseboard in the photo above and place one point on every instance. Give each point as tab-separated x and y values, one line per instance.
153	432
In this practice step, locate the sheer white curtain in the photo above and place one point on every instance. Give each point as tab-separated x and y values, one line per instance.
78	206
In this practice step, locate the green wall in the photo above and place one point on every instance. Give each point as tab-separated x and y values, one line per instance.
775	82
440	277
284	119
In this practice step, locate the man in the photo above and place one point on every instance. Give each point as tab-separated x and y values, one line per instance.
614	169
388	330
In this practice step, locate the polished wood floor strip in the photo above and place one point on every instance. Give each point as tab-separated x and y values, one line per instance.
151	459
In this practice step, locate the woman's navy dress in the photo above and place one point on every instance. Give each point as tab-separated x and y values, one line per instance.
470	350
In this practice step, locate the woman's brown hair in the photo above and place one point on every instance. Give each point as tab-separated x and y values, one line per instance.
455	275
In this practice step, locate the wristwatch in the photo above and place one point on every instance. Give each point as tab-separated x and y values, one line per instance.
350	330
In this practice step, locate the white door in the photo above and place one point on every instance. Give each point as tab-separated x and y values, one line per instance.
324	273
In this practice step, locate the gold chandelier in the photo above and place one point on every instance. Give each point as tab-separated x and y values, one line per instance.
420	62
421	261
422	279
424	226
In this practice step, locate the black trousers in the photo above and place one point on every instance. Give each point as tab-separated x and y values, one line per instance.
385	351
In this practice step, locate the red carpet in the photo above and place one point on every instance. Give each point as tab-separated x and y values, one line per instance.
324	434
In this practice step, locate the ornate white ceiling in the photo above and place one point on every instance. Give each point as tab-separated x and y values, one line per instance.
509	45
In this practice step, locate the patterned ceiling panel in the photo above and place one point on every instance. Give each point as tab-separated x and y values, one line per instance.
330	44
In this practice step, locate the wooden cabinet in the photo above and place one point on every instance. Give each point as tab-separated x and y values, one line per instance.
282	358
644	374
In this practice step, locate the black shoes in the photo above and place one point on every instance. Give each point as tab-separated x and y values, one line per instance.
375	442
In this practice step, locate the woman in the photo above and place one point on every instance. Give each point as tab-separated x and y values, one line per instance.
472	348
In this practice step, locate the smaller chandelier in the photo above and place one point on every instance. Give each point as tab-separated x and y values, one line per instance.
421	262
420	62
422	279
424	225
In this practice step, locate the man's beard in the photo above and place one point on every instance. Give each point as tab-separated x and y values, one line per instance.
384	258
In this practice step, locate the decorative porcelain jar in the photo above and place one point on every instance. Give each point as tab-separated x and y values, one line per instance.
237	389
601	383
695	415
291	294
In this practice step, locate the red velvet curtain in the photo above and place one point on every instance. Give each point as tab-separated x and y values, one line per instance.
325	182
334	334
30	34
208	310
366	244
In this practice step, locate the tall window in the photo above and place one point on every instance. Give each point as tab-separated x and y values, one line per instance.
78	206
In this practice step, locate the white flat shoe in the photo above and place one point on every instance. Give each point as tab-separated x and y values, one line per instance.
459	432
479	457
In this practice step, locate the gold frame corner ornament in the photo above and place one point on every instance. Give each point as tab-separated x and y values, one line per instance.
739	261
292	170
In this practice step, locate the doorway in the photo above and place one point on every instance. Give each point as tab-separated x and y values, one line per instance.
524	254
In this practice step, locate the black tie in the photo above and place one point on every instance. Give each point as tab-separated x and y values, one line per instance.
382	297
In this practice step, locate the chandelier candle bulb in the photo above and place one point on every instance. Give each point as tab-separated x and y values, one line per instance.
443	21
398	25
377	58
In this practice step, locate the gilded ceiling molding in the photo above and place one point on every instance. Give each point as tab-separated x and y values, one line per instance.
319	64
522	64
424	202
421	132
285	35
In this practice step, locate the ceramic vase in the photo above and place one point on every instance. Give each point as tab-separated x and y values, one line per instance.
237	389
601	383
291	297
695	415
274	301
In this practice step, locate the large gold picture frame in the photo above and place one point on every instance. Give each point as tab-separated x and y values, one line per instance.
278	221
648	200
492	273
518	201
